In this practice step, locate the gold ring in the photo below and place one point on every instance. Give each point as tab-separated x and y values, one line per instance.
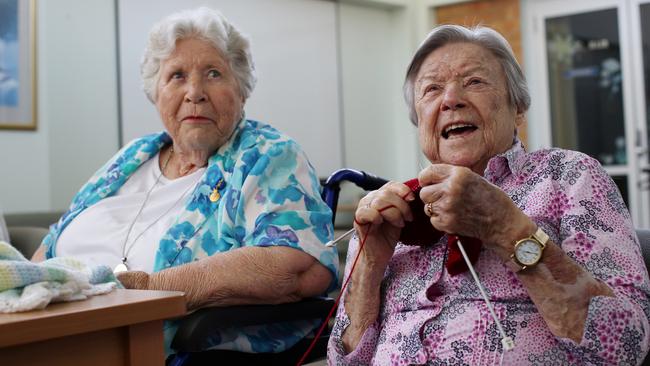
429	209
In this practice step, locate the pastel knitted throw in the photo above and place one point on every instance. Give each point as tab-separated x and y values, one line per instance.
25	285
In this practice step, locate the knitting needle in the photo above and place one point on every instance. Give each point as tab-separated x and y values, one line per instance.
332	243
506	341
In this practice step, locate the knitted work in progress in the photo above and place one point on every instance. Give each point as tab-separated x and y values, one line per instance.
25	285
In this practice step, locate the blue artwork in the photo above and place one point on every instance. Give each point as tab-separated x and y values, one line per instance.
9	53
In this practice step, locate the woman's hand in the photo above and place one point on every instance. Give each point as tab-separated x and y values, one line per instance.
379	220
137	280
462	202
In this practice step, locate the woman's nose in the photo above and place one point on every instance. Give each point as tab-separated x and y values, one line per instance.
195	92
452	98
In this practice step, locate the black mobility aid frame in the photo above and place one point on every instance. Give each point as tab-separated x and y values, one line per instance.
195	329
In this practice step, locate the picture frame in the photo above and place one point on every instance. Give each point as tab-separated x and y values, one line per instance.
18	65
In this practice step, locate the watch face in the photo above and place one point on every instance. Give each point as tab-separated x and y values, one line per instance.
528	252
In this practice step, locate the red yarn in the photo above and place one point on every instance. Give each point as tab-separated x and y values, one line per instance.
338	298
420	232
417	232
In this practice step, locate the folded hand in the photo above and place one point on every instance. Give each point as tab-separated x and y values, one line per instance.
137	280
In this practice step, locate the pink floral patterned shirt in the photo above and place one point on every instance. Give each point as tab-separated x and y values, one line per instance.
428	317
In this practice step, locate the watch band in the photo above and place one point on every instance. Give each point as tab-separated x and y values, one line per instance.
513	265
541	237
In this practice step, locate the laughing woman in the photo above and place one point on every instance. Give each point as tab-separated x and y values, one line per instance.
560	259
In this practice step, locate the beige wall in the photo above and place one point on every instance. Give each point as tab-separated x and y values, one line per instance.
76	108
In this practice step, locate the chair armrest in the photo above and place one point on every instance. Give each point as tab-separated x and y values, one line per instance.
195	329
26	238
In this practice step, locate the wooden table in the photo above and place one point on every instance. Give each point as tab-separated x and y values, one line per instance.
123	327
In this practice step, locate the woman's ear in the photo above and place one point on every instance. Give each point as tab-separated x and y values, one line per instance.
520	118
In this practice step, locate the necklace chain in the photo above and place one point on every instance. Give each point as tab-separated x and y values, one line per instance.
125	250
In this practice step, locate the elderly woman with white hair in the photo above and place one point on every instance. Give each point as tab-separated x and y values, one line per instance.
560	261
224	209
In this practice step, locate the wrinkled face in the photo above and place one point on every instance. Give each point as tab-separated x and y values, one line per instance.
462	105
198	96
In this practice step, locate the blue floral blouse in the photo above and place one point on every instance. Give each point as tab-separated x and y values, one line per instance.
265	193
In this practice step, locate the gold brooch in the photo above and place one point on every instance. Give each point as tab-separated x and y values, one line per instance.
215	195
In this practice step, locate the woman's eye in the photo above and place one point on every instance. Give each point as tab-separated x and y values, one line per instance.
431	88
214	73
177	75
474	82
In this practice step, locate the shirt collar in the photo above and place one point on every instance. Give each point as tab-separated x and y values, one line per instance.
508	162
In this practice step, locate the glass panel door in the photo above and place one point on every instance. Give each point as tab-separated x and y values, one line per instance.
584	75
586	84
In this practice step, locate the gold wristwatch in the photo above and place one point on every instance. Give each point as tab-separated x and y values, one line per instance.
528	251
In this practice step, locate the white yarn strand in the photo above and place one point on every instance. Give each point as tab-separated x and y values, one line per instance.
507	342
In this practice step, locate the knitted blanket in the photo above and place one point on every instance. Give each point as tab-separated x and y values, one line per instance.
25	285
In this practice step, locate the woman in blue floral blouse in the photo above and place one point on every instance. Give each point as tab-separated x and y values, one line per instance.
225	209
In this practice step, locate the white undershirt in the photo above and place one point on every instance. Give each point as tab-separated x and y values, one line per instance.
97	234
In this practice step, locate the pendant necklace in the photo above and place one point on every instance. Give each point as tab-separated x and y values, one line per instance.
122	267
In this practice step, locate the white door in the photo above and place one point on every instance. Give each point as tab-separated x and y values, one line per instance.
585	65
639	16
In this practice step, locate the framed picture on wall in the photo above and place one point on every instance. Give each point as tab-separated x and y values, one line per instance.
17	64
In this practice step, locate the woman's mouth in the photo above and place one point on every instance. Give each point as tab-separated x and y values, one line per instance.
458	129
196	119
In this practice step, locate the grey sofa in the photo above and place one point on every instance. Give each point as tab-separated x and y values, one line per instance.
26	231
